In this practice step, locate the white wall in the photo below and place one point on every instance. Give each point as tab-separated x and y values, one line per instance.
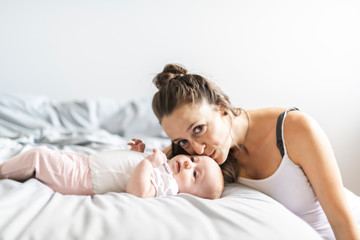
262	53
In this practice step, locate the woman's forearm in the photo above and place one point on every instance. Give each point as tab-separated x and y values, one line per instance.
139	183
345	228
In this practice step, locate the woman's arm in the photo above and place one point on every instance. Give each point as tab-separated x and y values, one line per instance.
309	147
140	183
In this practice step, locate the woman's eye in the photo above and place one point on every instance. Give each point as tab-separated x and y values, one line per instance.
183	143
195	174
198	129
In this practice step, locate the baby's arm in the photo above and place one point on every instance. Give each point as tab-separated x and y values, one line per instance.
139	183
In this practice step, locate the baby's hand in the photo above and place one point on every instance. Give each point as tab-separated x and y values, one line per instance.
158	158
137	145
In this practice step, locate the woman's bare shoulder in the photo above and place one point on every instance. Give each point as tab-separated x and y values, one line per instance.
299	120
302	133
263	121
267	112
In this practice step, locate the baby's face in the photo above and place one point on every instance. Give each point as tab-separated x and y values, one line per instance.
197	175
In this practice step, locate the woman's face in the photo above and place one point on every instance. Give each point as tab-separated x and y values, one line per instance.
200	129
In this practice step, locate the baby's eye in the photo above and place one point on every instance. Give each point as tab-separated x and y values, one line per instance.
192	159
195	174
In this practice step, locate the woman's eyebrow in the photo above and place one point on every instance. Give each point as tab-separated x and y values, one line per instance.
188	129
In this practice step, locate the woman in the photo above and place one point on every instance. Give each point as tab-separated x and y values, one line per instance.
281	152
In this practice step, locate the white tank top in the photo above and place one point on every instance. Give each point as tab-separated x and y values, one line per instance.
290	186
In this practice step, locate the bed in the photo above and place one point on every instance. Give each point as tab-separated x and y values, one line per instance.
31	210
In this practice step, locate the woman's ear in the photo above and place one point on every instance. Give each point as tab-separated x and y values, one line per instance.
224	111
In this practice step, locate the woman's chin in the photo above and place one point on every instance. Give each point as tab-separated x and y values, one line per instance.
220	160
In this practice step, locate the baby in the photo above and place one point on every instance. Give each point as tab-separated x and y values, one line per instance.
128	171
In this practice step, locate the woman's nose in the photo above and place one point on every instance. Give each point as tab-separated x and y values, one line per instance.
198	147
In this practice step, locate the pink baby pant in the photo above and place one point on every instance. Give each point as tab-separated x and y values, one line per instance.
66	173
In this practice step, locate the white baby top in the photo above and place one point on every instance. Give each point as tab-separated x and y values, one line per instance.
290	186
110	172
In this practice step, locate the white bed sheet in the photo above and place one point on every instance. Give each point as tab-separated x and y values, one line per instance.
31	210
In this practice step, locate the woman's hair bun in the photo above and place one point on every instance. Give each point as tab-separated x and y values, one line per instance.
174	69
169	72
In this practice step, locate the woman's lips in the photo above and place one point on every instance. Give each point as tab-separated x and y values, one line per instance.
212	155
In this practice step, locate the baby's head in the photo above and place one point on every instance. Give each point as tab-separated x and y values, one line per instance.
197	175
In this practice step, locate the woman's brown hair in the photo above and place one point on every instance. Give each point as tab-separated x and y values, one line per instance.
177	87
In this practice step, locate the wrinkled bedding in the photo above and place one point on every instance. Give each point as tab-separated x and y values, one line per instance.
31	210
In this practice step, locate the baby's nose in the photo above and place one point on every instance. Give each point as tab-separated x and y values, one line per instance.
187	164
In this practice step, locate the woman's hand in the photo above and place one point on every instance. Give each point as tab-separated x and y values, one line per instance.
137	145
